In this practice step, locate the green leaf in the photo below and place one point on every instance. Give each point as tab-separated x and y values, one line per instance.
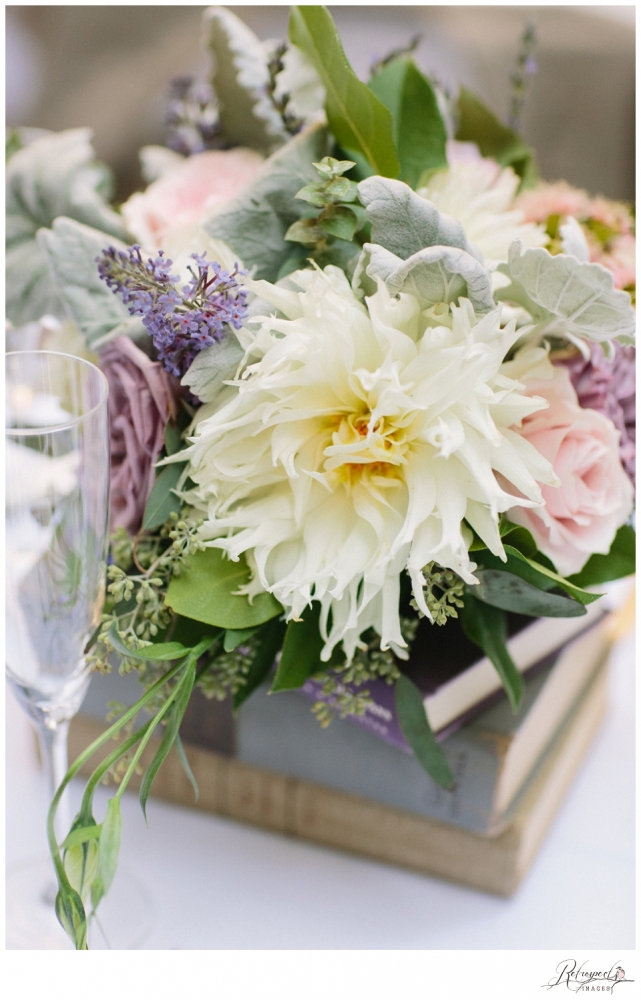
162	501
519	538
182	695
182	757
80	835
53	176
173	438
236	637
190	632
305	231
301	651
513	593
568	296
81	865
620	561
419	130
340	221
211	367
539	575
356	117
271	642
534	571
206	590
70	248
485	626
109	845
404	223
476	123
240	77
254	224
416	729
158	651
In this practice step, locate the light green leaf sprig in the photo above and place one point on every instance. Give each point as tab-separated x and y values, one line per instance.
255	223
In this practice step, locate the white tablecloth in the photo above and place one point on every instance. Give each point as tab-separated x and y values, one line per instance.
216	884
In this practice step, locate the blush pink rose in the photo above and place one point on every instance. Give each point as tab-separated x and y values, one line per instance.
142	398
188	192
582	515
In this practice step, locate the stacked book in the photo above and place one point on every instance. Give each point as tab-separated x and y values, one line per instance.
356	786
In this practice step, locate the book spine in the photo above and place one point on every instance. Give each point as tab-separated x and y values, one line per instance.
280	733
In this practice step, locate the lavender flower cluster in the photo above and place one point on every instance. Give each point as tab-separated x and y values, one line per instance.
180	323
192	117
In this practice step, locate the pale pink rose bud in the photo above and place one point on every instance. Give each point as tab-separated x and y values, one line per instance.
189	192
142	398
582	515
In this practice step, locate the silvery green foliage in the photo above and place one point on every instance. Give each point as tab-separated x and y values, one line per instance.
300	80
254	224
70	250
55	175
212	366
567	297
405	223
433	275
247	116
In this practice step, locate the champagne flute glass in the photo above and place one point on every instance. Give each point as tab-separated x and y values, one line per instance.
57	492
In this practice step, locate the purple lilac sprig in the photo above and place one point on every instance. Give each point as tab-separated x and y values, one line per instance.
183	322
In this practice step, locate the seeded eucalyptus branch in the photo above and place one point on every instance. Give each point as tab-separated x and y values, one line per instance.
451	589
369	663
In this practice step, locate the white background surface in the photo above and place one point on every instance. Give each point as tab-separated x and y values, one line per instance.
216	884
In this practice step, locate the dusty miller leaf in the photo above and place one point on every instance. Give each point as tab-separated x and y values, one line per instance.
405	223
70	249
55	175
212	366
240	76
436	274
568	296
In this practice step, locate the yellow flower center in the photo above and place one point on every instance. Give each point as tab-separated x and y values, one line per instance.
364	446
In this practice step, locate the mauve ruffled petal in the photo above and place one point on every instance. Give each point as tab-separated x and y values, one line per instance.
609	387
142	398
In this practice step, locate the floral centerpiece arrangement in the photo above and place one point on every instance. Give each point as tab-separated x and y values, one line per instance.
364	368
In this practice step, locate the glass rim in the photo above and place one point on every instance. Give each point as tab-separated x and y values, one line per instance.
72	421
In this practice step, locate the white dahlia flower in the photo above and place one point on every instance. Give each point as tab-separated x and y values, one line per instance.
480	195
355	446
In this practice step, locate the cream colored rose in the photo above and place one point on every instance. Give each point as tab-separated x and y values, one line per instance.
187	193
595	496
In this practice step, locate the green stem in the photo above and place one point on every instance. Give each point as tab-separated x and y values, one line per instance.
145	739
107	763
86	755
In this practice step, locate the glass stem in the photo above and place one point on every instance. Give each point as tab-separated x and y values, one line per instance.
53	748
